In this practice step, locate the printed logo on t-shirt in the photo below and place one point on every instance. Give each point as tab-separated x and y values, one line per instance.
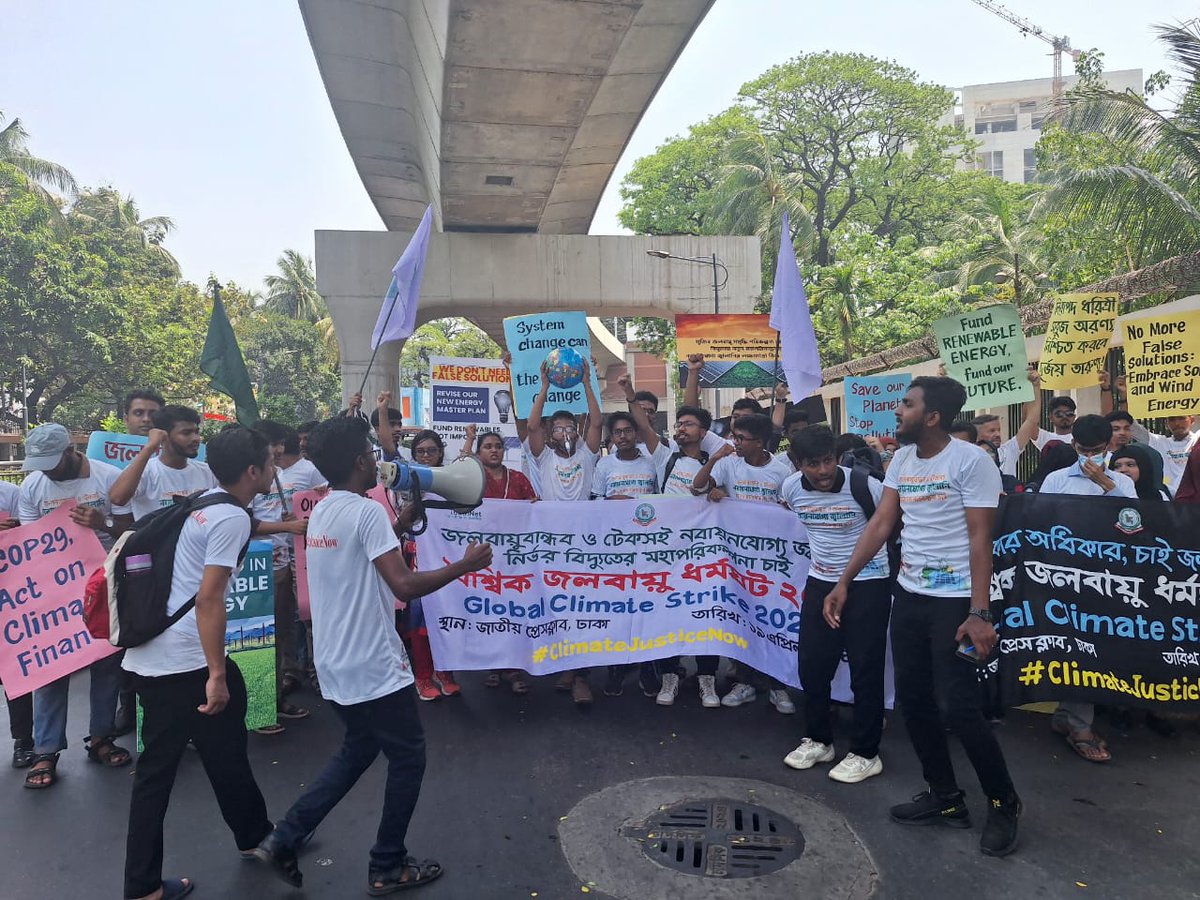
631	484
761	491
569	476
320	542
924	488
936	576
828	516
94	499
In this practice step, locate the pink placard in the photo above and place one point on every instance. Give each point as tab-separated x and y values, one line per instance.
44	568
302	505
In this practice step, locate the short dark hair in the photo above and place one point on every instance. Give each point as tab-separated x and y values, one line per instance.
232	452
962	426
141	394
620	416
1091	431
985	419
703	416
846	442
167	417
1064	400
335	444
648	396
813	443
757	426
748	403
307	427
794	415
274	432
1119	415
942	395
563	415
394	415
231	426
487	434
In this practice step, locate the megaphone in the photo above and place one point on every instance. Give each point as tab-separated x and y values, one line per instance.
461	483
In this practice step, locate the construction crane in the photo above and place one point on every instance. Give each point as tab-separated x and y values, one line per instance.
1061	45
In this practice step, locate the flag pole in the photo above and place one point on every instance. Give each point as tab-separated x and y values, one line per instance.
367	374
775	386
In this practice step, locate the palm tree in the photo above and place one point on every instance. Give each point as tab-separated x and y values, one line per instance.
753	194
293	291
106	207
1149	187
38	174
836	293
1006	248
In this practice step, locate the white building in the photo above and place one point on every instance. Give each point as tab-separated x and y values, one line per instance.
1006	119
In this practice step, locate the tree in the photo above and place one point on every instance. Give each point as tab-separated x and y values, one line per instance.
296	377
293	290
1007	247
36	175
105	207
1146	182
443	337
836	294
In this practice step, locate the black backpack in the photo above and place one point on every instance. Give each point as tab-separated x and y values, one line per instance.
126	610
860	490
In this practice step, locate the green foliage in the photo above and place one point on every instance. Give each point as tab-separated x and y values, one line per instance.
443	337
295	375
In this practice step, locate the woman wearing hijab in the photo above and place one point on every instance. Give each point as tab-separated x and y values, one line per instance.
1136	461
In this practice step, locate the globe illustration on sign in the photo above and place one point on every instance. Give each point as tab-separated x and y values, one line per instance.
564	367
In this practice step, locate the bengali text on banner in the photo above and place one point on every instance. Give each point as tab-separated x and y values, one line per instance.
1077	338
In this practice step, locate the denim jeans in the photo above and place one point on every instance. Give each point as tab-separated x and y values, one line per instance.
50	706
389	724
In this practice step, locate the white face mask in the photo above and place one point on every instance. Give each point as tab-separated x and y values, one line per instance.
1095	460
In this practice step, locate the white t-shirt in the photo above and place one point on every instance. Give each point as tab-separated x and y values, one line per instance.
161	484
356	649
1174	455
210	537
40	496
834	522
10	499
301	475
710	443
564	478
682	475
614	476
742	481
1009	452
935	555
783	457
1071	480
1044	437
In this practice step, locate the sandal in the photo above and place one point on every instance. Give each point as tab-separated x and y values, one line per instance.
287	710
516	680
419	874
1092	749
174	888
492	680
105	752
44	772
23	755
272	729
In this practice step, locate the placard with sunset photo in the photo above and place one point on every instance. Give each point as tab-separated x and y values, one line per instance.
739	349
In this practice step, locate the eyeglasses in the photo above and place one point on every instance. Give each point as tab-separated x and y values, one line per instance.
623	432
426	451
567	429
745	439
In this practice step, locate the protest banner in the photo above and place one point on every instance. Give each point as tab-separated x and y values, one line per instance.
472	392
871	402
984	350
119	449
739	349
530	340
619	582
44	568
250	631
1162	373
1098	601
1077	337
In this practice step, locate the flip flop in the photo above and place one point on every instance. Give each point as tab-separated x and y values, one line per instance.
174	888
1081	746
492	680
421	873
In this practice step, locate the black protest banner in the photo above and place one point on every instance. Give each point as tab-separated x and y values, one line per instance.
1096	600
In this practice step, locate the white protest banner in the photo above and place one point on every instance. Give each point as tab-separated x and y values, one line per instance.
472	392
576	585
44	568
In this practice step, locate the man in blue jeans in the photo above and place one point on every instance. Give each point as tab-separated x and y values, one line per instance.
355	573
945	492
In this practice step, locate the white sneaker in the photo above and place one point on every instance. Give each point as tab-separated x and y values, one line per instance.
808	754
782	702
740	693
854	769
670	689
708	692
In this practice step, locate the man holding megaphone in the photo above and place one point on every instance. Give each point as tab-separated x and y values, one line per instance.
355	572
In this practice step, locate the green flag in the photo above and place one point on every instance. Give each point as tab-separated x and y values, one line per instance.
222	362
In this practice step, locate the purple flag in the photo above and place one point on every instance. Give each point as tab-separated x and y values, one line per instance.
398	316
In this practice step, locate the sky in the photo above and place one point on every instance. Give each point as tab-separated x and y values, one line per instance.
212	112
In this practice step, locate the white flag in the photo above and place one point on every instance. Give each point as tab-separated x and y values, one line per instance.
398	316
791	318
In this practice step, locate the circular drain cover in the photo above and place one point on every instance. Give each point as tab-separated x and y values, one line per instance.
719	838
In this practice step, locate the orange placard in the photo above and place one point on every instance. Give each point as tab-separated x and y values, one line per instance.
740	350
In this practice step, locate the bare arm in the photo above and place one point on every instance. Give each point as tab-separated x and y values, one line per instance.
646	432
126	485
537	432
981	634
691	390
1032	423
779	405
210	622
468	447
595	427
874	536
384	430
522	425
703	480
407	585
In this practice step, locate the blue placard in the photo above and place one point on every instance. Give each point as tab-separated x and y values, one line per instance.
871	403
119	449
530	339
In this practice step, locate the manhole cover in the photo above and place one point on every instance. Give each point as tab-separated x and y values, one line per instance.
719	838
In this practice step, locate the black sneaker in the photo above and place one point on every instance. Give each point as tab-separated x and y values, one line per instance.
281	858
649	681
1000	831
928	808
614	683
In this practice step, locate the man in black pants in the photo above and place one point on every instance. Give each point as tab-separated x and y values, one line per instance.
189	690
355	573
946	493
834	505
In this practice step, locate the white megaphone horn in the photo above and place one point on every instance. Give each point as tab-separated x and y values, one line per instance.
461	483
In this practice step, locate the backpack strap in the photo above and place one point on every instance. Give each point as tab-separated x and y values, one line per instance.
860	490
670	467
197	501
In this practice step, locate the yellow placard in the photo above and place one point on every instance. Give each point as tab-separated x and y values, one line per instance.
1162	371
1077	338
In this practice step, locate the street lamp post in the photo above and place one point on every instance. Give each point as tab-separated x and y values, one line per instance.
718	283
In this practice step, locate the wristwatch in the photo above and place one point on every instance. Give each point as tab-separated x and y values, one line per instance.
985	614
108	522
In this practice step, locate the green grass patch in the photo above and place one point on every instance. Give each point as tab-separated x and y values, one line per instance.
258	668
